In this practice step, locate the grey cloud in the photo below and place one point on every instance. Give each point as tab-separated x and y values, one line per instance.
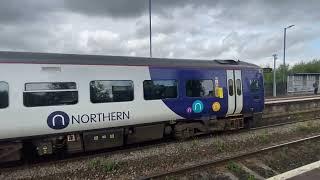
114	8
15	38
129	8
253	12
201	29
269	12
24	12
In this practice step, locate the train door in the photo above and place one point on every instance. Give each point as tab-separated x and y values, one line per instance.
235	95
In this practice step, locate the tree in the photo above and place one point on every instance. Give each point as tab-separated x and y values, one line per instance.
302	67
308	67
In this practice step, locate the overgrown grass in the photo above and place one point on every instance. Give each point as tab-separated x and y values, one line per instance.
308	128
195	142
234	167
220	145
263	138
104	165
238	171
251	177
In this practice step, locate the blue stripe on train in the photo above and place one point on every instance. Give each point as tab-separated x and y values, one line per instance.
185	106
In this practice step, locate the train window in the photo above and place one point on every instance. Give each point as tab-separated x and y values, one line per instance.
238	85
4	95
199	88
50	94
50	86
230	85
160	89
254	85
111	91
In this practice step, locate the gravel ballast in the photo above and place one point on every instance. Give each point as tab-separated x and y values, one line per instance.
137	163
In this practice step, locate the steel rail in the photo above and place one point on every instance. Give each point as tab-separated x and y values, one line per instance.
224	160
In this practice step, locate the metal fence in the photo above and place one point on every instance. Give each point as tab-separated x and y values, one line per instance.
268	89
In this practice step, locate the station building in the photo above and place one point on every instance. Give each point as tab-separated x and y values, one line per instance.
302	82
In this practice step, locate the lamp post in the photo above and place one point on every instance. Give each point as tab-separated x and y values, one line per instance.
284	55
150	33
274	76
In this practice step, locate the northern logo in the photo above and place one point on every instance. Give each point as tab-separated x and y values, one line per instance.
58	120
197	106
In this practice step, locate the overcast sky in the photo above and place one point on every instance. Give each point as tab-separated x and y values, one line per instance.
248	30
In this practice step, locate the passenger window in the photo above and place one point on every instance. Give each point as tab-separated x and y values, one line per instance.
160	89
199	88
50	94
230	85
50	86
4	95
105	91
238	85
254	85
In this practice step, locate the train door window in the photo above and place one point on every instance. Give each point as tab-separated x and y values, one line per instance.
230	85
105	91
199	88
254	85
160	89
50	94
238	86
4	95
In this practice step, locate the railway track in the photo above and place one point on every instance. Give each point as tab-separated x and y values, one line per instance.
126	149
212	163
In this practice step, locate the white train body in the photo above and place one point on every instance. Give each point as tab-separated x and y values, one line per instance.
76	103
18	120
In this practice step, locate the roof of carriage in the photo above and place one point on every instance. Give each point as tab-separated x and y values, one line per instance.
55	58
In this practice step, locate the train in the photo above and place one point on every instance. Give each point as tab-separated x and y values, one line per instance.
71	103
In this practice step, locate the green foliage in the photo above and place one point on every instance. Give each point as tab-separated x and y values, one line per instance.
109	166
234	167
263	138
94	163
309	67
251	177
302	67
238	171
195	142
220	145
268	77
308	128
106	166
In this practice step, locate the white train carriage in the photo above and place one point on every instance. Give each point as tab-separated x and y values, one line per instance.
76	103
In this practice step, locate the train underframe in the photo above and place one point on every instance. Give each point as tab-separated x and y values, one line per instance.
78	142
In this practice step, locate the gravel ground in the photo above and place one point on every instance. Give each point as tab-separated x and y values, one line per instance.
264	165
138	163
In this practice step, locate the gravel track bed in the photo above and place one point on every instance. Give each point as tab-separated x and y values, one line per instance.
264	165
131	165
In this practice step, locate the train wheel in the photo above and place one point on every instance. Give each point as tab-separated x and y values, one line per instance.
184	133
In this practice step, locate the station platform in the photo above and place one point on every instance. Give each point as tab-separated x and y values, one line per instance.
307	172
